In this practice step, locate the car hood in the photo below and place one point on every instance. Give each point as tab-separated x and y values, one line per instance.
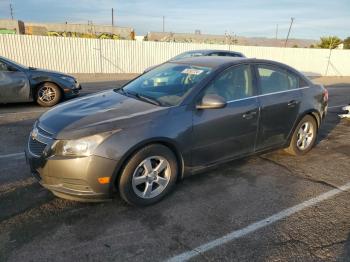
47	72
101	112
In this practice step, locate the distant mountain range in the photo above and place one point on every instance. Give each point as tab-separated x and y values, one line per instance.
226	39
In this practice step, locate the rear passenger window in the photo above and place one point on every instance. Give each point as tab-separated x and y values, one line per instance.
303	83
276	80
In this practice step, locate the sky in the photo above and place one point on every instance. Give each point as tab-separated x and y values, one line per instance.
313	18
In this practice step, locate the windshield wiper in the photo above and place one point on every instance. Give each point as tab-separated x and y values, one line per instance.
120	90
141	97
148	99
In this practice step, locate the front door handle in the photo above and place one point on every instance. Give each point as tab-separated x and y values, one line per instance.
293	103
249	114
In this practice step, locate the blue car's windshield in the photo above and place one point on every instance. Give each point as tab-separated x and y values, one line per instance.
15	63
167	84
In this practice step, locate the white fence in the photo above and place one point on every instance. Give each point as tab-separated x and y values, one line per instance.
78	55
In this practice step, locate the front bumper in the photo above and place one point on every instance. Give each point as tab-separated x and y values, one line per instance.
73	178
72	91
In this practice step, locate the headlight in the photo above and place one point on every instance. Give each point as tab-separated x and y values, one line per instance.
80	147
68	78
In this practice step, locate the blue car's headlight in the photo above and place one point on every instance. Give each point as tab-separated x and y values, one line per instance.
67	78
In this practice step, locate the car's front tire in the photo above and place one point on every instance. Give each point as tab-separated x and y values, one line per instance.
149	175
304	136
48	94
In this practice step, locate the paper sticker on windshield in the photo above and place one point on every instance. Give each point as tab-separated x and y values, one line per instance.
192	71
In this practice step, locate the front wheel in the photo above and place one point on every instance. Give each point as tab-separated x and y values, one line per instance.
304	137
48	94
149	175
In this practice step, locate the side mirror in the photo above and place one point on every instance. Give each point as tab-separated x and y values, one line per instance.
212	102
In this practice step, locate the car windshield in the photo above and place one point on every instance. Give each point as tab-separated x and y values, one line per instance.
14	63
166	85
187	55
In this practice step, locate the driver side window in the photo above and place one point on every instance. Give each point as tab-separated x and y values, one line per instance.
234	83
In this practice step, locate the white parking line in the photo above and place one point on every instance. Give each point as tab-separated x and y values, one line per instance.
12	155
258	225
336	106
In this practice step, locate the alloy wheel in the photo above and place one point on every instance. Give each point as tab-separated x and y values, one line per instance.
305	135
151	177
47	94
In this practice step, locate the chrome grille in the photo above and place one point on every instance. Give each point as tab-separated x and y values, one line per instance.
36	147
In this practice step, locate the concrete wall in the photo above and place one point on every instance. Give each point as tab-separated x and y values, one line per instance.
124	32
229	39
78	55
16	25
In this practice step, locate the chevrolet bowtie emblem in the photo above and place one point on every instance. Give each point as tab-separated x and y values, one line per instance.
34	134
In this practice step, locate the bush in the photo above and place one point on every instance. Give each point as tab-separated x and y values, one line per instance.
347	43
330	42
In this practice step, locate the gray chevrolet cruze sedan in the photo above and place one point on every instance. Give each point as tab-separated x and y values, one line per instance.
174	120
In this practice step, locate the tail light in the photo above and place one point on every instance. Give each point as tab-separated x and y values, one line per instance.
325	95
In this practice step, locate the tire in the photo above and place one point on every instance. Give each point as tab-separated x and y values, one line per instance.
48	94
303	141
138	183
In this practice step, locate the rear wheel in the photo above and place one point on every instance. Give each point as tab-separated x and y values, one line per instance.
149	175
48	94
304	136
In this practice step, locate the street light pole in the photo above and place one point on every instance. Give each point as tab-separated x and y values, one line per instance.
112	17
11	11
163	23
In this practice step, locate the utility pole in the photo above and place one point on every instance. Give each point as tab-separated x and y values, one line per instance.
276	31
290	27
163	23
112	17
11	11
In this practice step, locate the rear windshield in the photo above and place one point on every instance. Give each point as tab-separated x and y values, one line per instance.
188	54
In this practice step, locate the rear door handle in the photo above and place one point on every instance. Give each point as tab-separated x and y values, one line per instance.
293	103
249	114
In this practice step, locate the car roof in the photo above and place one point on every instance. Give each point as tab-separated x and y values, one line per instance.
224	61
211	51
210	61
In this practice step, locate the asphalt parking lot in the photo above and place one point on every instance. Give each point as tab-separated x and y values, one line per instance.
253	209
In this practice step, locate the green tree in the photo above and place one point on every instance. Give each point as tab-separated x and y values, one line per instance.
347	43
329	42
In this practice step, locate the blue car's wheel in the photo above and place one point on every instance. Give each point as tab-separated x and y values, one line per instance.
48	94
